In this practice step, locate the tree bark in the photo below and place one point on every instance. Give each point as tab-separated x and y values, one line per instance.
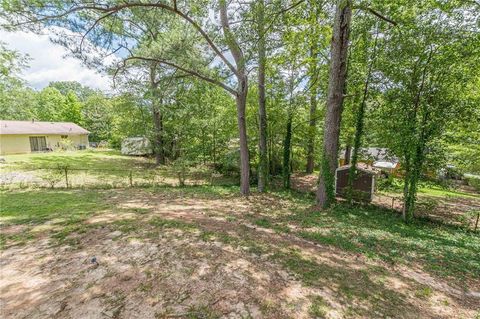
159	149
287	146
262	112
313	112
157	118
336	86
240	97
348	153
241	100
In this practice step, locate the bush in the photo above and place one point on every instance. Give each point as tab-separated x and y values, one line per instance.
474	182
53	177
389	183
66	144
229	163
181	169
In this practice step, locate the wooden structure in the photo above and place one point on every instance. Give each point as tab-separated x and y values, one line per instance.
363	186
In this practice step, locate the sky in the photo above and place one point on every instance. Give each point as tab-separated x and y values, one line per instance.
49	62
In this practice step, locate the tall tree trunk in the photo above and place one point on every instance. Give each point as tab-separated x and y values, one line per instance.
313	110
415	162
287	146
242	130
262	112
157	118
336	86
240	97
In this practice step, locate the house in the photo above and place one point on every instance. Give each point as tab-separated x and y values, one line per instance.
17	137
363	186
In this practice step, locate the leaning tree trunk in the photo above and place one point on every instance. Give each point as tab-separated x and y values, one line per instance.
262	112
336	85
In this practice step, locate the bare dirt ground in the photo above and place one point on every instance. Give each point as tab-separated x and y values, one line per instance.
164	255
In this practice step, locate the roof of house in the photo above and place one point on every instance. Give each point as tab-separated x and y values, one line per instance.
35	127
375	153
385	164
361	167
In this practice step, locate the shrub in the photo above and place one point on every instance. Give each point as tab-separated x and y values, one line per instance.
54	176
474	182
66	144
180	167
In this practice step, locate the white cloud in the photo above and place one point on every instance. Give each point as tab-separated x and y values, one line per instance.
49	62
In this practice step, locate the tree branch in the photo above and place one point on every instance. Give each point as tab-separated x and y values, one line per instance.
174	10
376	13
188	71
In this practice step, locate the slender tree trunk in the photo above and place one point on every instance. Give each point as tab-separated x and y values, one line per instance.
405	193
415	162
262	112
242	130
348	153
336	86
157	118
159	149
313	111
287	146
214	151
240	97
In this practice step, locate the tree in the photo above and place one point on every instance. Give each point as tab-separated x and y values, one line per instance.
81	92
429	66
262	112
89	16
72	109
336	86
16	100
336	91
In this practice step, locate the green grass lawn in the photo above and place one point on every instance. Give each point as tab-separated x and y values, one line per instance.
98	168
91	159
437	191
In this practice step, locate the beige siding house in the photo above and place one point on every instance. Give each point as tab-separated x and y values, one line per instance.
18	137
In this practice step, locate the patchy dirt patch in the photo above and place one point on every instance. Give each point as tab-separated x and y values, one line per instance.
179	255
